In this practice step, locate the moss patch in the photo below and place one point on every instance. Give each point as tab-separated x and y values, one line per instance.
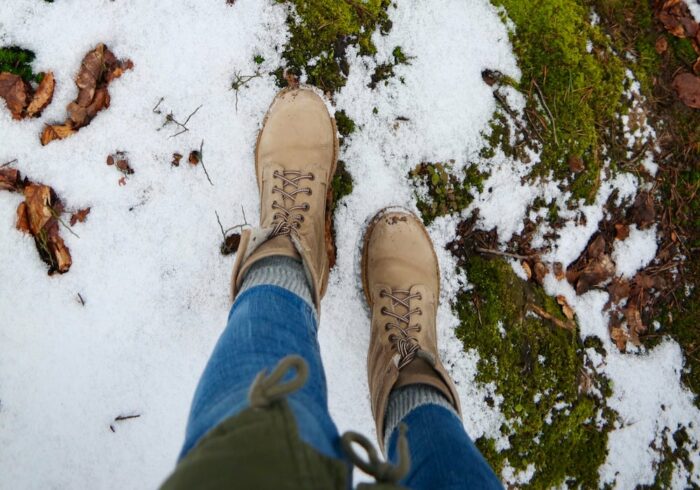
321	31
539	370
580	93
16	60
446	193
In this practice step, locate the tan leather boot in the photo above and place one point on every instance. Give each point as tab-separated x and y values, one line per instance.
401	280
295	159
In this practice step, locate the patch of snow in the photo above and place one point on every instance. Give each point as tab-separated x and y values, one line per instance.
694	6
634	252
521	477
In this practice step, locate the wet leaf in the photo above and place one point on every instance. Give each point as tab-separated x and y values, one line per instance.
595	273
622	231
194	157
176	159
618	290
642	212
576	164
619	336
597	247
231	243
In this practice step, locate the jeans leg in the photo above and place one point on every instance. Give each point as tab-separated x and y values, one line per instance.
442	454
266	323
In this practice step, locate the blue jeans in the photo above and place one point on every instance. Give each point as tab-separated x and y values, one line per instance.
267	323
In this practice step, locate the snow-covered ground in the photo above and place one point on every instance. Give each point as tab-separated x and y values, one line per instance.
147	261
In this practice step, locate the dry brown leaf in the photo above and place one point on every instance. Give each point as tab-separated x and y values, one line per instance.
618	290
558	269
56	132
642	212
526	268
39	210
22	218
634	320
568	325
122	181
16	93
10	179
661	45
596	272
110	160
230	244
194	157
619	336
622	231
597	247
687	86
540	272
176	159
576	164
565	308
79	216
43	95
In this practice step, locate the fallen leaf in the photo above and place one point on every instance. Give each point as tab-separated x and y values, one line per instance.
43	95
568	325
634	320
194	157
558	269
565	308
687	86
597	247
176	159
622	231
540	272
16	93
596	272
661	45
110	160
618	290
122	181
123	165
526	268
642	212
39	210
619	336
576	164
22	218
79	216
56	132
10	179
230	244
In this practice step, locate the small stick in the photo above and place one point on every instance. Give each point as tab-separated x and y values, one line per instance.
201	160
8	163
155	109
503	254
546	107
541	313
184	127
80	298
119	418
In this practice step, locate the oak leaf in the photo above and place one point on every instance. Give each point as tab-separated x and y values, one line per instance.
10	179
56	132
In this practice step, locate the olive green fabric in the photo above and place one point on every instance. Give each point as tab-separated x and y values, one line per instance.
258	448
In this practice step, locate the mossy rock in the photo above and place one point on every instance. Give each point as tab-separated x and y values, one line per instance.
537	368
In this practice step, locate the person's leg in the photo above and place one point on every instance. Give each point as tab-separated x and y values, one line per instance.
272	317
442	454
408	383
280	274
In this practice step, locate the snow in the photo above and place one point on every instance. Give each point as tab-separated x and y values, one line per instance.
694	6
634	252
147	261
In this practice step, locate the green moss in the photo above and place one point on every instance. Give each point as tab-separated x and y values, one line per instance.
342	183
346	126
322	30
672	459
536	367
582	90
446	192
16	60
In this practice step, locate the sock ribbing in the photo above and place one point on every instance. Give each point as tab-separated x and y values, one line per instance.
406	399
281	271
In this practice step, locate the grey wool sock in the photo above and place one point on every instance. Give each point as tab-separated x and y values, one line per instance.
406	399
281	271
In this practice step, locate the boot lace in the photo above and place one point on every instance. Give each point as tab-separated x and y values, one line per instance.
288	216
406	345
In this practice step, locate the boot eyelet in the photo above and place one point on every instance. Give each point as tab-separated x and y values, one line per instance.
420	297
387	327
307	206
309	193
419	327
383	310
420	312
312	177
382	293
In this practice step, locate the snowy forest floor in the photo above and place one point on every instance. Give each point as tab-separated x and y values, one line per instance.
551	147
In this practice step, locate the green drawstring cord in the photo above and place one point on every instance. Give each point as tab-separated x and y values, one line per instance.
382	471
266	390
